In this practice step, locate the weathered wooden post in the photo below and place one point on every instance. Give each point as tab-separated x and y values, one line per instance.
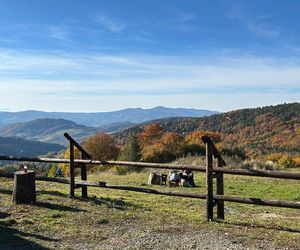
220	190
83	171
72	171
24	187
84	192
209	178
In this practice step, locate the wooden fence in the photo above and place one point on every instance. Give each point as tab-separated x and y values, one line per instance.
214	169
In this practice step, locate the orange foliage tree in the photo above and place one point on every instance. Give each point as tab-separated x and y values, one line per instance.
102	146
195	137
65	167
173	143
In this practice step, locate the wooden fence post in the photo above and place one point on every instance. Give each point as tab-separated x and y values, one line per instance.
220	191
209	182
84	192
72	171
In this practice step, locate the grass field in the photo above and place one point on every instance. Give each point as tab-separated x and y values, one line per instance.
57	221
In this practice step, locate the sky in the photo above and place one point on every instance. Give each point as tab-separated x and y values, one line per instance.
104	55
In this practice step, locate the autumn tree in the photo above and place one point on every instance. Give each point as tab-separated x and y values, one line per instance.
157	146
102	146
173	143
156	153
151	134
150	141
52	171
195	137
65	167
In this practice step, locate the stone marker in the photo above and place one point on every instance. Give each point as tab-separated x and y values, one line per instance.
24	187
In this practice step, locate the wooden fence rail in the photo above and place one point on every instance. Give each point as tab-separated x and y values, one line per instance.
254	201
212	172
231	171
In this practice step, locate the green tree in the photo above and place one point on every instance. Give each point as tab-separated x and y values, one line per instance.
131	152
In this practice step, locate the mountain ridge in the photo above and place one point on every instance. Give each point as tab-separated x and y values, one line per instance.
258	130
96	119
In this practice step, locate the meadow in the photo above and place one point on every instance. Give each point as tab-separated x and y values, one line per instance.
57	221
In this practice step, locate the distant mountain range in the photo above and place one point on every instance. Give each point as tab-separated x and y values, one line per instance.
257	130
99	119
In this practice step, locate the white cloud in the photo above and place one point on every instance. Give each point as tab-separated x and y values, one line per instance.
47	80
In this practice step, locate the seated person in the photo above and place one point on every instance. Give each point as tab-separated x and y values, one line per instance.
174	178
188	176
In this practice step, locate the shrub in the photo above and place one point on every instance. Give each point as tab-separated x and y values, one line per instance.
274	157
258	165
297	161
238	152
194	149
52	171
286	162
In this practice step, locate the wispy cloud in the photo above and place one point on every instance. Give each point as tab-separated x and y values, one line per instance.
259	25
8	41
35	76
60	33
110	24
179	20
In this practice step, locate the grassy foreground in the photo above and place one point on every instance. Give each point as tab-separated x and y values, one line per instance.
56	221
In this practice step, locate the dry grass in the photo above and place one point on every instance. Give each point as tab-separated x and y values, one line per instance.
57	221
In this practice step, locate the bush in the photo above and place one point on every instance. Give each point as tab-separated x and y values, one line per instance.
297	161
286	162
194	149
274	157
258	165
52	171
122	170
239	152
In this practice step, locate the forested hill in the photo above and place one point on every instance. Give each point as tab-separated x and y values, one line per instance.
20	147
47	130
257	130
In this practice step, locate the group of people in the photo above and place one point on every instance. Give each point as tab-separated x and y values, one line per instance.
183	178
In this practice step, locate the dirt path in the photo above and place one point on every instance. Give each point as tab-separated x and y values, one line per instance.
132	236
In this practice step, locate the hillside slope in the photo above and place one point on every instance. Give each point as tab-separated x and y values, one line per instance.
47	130
21	147
131	115
52	130
257	130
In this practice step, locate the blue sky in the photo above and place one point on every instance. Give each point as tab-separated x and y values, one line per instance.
108	55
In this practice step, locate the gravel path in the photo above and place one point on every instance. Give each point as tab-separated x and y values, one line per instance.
130	237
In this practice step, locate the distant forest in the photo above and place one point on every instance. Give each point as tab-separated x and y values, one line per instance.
257	131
